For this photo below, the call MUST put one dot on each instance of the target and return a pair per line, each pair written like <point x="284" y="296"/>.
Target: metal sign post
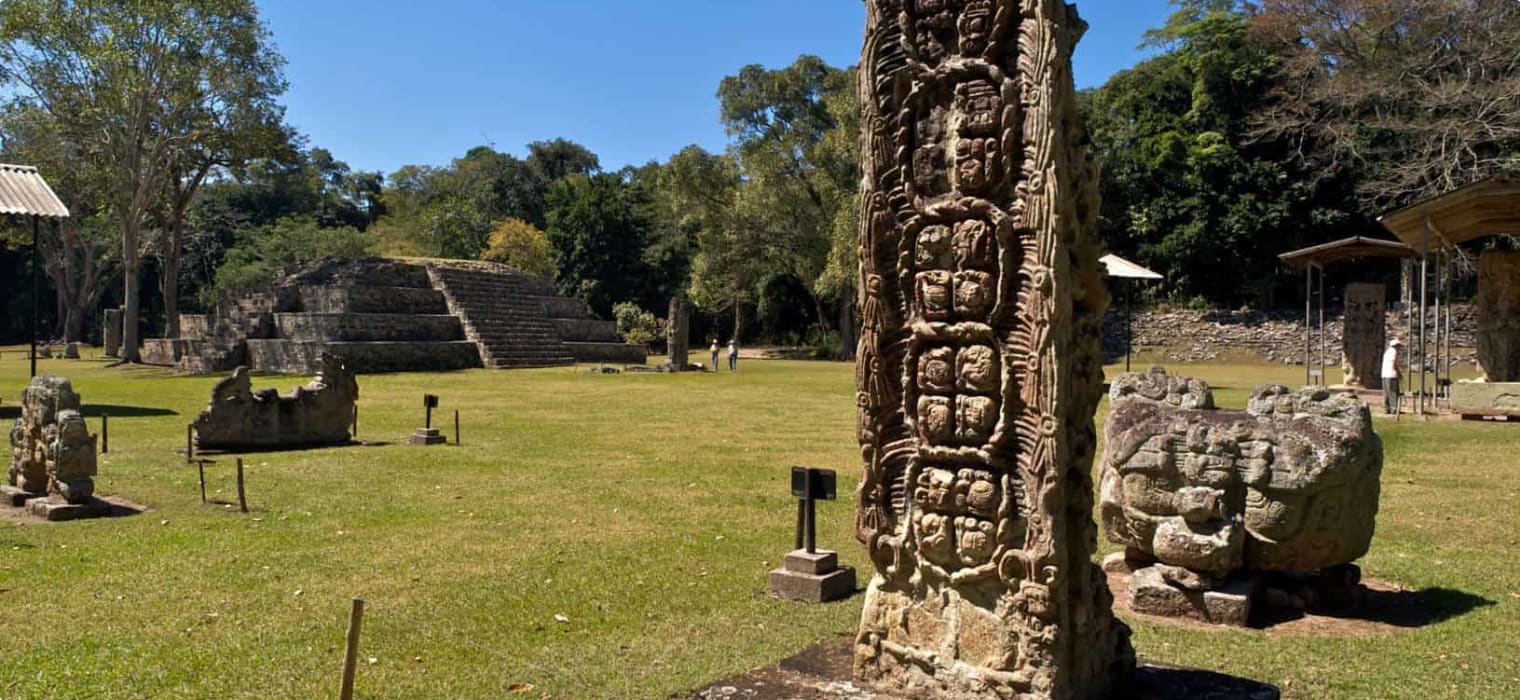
<point x="810" y="574"/>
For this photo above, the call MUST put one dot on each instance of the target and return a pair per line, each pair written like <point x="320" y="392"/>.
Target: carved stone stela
<point x="1365" y="334"/>
<point x="1499" y="315"/>
<point x="978" y="372"/>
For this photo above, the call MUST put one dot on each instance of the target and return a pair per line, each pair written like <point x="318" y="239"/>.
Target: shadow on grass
<point x="98" y="410"/>
<point x="256" y="450"/>
<point x="1408" y="609"/>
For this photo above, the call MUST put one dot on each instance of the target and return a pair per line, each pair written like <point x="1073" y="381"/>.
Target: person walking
<point x="714" y="349"/>
<point x="733" y="355"/>
<point x="1391" y="376"/>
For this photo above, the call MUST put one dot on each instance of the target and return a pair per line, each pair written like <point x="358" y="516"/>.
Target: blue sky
<point x="385" y="83"/>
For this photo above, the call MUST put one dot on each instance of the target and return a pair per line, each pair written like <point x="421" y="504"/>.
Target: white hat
<point x="1395" y="341"/>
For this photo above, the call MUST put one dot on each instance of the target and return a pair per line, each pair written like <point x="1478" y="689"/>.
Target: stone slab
<point x="428" y="436"/>
<point x="809" y="588"/>
<point x="817" y="563"/>
<point x="1229" y="604"/>
<point x="1486" y="399"/>
<point x="59" y="511"/>
<point x="16" y="498"/>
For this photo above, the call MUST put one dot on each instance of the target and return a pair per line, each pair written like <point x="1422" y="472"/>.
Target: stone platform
<point x="386" y="315"/>
<point x="812" y="577"/>
<point x="824" y="672"/>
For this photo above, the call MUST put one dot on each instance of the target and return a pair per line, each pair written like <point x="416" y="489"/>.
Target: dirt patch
<point x="119" y="508"/>
<point x="1385" y="608"/>
<point x="823" y="672"/>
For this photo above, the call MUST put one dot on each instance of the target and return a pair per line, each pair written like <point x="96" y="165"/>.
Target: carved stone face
<point x="975" y="246"/>
<point x="1215" y="491"/>
<point x="978" y="369"/>
<point x="936" y="371"/>
<point x="933" y="252"/>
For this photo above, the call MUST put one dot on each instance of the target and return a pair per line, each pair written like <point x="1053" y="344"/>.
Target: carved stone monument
<point x="1364" y="333"/>
<point x="319" y="413"/>
<point x="53" y="461"/>
<point x="978" y="372"/>
<point x="111" y="333"/>
<point x="678" y="335"/>
<point x="1208" y="502"/>
<point x="1499" y="315"/>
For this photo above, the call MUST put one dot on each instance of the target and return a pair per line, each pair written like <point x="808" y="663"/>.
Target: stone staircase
<point x="519" y="321"/>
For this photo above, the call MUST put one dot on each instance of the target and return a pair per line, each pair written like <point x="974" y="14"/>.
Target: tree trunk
<point x="73" y="326"/>
<point x="846" y="330"/>
<point x="738" y="319"/>
<point x="129" y="268"/>
<point x="168" y="283"/>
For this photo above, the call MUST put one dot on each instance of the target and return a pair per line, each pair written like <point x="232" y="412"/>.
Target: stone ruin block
<point x="1365" y="322"/>
<point x="1208" y="501"/>
<point x="53" y="458"/>
<point x="319" y="413"/>
<point x="1499" y="315"/>
<point x="111" y="332"/>
<point x="978" y="371"/>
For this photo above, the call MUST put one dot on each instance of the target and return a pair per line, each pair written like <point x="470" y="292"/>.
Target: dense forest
<point x="1257" y="127"/>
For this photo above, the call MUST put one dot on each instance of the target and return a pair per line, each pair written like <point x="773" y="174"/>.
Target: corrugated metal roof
<point x="1346" y="249"/>
<point x="23" y="191"/>
<point x="1124" y="269"/>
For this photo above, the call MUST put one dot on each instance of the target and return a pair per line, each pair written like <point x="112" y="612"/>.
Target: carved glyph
<point x="1499" y="315"/>
<point x="978" y="371"/>
<point x="1364" y="334"/>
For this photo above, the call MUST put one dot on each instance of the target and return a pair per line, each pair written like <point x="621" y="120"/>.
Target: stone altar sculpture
<point x="1364" y="334"/>
<point x="1499" y="315"/>
<point x="1209" y="501"/>
<point x="53" y="460"/>
<point x="319" y="413"/>
<point x="978" y="371"/>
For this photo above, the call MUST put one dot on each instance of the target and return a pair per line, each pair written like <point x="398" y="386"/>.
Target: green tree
<point x="521" y="246"/>
<point x="267" y="252"/>
<point x="1186" y="189"/>
<point x="133" y="84"/>
<point x="794" y="131"/>
<point x="81" y="253"/>
<point x="597" y="231"/>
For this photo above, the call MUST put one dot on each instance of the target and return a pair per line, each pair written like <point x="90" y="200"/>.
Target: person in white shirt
<point x="1391" y="376"/>
<point x="715" y="355"/>
<point x="733" y="355"/>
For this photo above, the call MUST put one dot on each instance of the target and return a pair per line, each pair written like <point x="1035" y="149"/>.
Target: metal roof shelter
<point x="1124" y="269"/>
<point x="1315" y="258"/>
<point x="1346" y="249"/>
<point x="1119" y="268"/>
<point x="23" y="192"/>
<point x="1434" y="228"/>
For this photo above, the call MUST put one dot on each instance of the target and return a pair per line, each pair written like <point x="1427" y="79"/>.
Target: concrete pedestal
<point x="428" y="436"/>
<point x="812" y="578"/>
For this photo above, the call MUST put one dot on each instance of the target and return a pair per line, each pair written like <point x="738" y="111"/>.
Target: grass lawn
<point x="645" y="510"/>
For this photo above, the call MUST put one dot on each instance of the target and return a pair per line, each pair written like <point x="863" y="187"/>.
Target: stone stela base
<point x="58" y="511"/>
<point x="52" y="509"/>
<point x="428" y="436"/>
<point x="14" y="497"/>
<point x="1238" y="600"/>
<point x="812" y="577"/>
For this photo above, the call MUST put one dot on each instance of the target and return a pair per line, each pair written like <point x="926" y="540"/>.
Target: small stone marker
<point x="809" y="574"/>
<point x="428" y="435"/>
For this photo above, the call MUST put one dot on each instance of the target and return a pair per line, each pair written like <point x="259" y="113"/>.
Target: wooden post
<point x="201" y="467"/>
<point x="105" y="433"/>
<point x="242" y="497"/>
<point x="457" y="443"/>
<point x="351" y="650"/>
<point x="356" y="420"/>
<point x="189" y="443"/>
